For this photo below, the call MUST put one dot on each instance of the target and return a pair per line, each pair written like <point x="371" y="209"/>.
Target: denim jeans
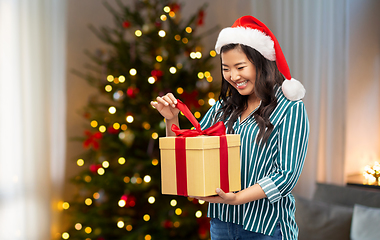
<point x="230" y="231"/>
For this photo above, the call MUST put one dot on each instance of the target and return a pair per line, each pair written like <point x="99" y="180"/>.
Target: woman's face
<point x="239" y="71"/>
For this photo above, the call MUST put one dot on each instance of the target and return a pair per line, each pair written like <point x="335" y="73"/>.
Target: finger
<point x="171" y="96"/>
<point x="162" y="101"/>
<point x="220" y="192"/>
<point x="169" y="100"/>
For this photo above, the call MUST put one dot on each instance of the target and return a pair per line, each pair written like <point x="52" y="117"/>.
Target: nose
<point x="235" y="75"/>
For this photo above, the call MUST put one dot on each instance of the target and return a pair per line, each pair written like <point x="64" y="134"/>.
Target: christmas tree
<point x="152" y="51"/>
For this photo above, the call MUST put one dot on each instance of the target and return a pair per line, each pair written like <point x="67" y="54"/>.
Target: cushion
<point x="365" y="223"/>
<point x="348" y="196"/>
<point x="318" y="220"/>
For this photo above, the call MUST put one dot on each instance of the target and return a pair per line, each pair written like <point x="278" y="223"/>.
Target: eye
<point x="240" y="68"/>
<point x="225" y="69"/>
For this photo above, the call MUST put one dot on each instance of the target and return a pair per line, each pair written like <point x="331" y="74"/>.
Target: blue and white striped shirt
<point x="276" y="167"/>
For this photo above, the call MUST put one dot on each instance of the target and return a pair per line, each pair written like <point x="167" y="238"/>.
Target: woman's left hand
<point x="228" y="198"/>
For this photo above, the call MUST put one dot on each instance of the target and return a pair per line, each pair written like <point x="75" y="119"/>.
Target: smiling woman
<point x="32" y="140"/>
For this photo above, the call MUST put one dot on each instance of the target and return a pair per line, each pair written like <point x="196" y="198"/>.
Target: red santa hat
<point x="249" y="31"/>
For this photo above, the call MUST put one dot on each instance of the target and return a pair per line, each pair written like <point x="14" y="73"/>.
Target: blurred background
<point x="50" y="105"/>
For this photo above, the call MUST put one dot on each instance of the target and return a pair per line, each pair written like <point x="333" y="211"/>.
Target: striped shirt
<point x="276" y="167"/>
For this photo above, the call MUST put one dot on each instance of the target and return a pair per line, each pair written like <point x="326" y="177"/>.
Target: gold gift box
<point x="202" y="164"/>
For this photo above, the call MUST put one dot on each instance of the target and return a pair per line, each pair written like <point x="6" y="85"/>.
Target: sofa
<point x="339" y="213"/>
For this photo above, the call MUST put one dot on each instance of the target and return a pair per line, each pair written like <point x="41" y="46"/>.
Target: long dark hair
<point x="267" y="76"/>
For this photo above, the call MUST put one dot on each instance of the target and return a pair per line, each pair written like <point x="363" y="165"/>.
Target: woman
<point x="257" y="103"/>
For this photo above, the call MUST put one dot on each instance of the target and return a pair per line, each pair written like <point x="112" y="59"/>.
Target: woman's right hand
<point x="166" y="105"/>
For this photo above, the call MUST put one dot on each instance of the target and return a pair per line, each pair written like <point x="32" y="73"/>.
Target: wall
<point x="363" y="88"/>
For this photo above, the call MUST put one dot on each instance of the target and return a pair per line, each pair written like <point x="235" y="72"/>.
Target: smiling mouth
<point x="241" y="84"/>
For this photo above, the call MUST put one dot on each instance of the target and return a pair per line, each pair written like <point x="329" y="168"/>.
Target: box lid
<point x="200" y="142"/>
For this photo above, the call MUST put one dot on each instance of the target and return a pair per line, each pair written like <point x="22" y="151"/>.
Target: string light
<point x="88" y="230"/>
<point x="192" y="55"/>
<point x="147" y="178"/>
<point x="167" y="9"/>
<point x="185" y="40"/>
<point x="176" y="224"/>
<point x="159" y="58"/>
<point x="102" y="129"/>
<point x="161" y="33"/>
<point x="198" y="55"/>
<point x="172" y="14"/>
<point x="94" y="123"/>
<point x="112" y="110"/>
<point x="124" y="127"/>
<point x="121" y="78"/>
<point x="201" y="102"/>
<point x="212" y="53"/>
<point x="172" y="70"/>
<point x="154" y="162"/>
<point x="80" y="162"/>
<point x="188" y="29"/>
<point x="173" y="202"/>
<point x="87" y="179"/>
<point x="209" y="79"/>
<point x="201" y="202"/>
<point x="211" y="102"/>
<point x="154" y="135"/>
<point x="138" y="33"/>
<point x="163" y="17"/>
<point x="211" y="94"/>
<point x="101" y="171"/>
<point x="121" y="160"/>
<point x="151" y="80"/>
<point x="96" y="195"/>
<point x="129" y="118"/>
<point x="110" y="78"/>
<point x="122" y="203"/>
<point x="108" y="88"/>
<point x="177" y="37"/>
<point x="139" y="180"/>
<point x="207" y="74"/>
<point x="201" y="75"/>
<point x="178" y="211"/>
<point x="129" y="228"/>
<point x="198" y="214"/>
<point x="197" y="114"/>
<point x="146" y="217"/>
<point x="151" y="199"/>
<point x="116" y="126"/>
<point x="132" y="72"/>
<point x="148" y="237"/>
<point x="105" y="164"/>
<point x="88" y="201"/>
<point x="116" y="81"/>
<point x="65" y="235"/>
<point x="146" y="125"/>
<point x="126" y="179"/>
<point x="120" y="224"/>
<point x="65" y="205"/>
<point x="78" y="226"/>
<point x="179" y="90"/>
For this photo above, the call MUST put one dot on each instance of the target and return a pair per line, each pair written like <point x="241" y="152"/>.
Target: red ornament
<point x="167" y="224"/>
<point x="94" y="167"/>
<point x="204" y="227"/>
<point x="126" y="24"/>
<point x="132" y="92"/>
<point x="174" y="7"/>
<point x="124" y="197"/>
<point x="158" y="24"/>
<point x="201" y="15"/>
<point x="190" y="99"/>
<point x="92" y="139"/>
<point x="112" y="130"/>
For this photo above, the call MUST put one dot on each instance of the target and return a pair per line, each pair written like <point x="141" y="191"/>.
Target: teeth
<point x="241" y="84"/>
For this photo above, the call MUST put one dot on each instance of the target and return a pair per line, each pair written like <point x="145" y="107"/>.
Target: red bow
<point x="217" y="129"/>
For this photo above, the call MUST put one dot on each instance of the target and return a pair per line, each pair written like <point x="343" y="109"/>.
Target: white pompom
<point x="293" y="89"/>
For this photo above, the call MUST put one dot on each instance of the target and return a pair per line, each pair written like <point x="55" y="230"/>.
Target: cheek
<point x="226" y="75"/>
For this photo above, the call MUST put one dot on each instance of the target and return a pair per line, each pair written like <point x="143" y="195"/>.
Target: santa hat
<point x="249" y="31"/>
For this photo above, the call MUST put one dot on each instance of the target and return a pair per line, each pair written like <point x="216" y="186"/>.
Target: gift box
<point x="196" y="162"/>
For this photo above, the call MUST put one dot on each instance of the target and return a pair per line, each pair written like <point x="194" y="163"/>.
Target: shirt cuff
<point x="270" y="189"/>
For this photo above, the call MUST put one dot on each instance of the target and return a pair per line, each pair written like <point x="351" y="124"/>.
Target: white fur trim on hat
<point x="293" y="89"/>
<point x="247" y="36"/>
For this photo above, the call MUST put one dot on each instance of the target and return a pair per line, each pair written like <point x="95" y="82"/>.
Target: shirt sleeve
<point x="293" y="135"/>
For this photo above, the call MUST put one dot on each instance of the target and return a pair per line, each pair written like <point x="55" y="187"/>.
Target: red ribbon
<point x="180" y="149"/>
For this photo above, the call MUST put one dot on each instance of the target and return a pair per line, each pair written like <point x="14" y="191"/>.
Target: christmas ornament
<point x="94" y="167"/>
<point x="126" y="24"/>
<point x="249" y="31"/>
<point x="200" y="20"/>
<point x="92" y="140"/>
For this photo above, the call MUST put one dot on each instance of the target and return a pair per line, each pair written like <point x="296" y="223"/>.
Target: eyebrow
<point x="235" y="64"/>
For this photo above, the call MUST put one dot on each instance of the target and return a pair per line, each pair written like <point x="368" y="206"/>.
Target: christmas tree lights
<point x="152" y="51"/>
